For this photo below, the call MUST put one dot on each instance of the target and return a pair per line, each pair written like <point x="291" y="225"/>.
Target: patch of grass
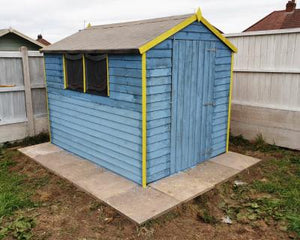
<point x="278" y="190"/>
<point x="13" y="193"/>
<point x="284" y="185"/>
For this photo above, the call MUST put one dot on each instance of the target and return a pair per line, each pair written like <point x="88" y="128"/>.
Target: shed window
<point x="96" y="74"/>
<point x="74" y="71"/>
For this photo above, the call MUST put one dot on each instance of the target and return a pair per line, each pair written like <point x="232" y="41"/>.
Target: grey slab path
<point x="130" y="199"/>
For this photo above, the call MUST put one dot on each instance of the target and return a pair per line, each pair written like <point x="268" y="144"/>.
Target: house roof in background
<point x="128" y="36"/>
<point x="42" y="40"/>
<point x="3" y="32"/>
<point x="289" y="18"/>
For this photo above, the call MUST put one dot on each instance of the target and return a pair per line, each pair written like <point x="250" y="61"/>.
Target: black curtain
<point x="96" y="74"/>
<point x="74" y="71"/>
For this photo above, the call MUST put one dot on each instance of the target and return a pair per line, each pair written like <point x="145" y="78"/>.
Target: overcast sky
<point x="57" y="19"/>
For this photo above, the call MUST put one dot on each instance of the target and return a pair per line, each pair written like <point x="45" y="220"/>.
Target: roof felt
<point x="277" y="20"/>
<point x="119" y="37"/>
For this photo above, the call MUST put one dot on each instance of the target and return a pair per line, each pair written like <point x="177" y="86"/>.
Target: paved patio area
<point x="130" y="199"/>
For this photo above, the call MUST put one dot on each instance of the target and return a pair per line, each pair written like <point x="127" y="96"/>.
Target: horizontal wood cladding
<point x="159" y="111"/>
<point x="105" y="130"/>
<point x="221" y="99"/>
<point x="108" y="130"/>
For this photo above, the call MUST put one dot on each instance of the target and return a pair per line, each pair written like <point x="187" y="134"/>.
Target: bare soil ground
<point x="61" y="211"/>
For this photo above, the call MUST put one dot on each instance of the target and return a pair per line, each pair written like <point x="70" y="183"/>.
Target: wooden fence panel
<point x="23" y="110"/>
<point x="266" y="86"/>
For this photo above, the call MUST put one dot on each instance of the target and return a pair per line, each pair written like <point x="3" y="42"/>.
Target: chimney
<point x="40" y="36"/>
<point x="290" y="6"/>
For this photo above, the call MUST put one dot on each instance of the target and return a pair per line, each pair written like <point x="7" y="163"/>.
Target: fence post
<point x="27" y="87"/>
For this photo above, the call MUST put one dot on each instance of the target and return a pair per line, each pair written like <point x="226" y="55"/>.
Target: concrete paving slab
<point x="182" y="186"/>
<point x="78" y="171"/>
<point x="210" y="172"/>
<point x="141" y="204"/>
<point x="55" y="161"/>
<point x="40" y="149"/>
<point x="235" y="160"/>
<point x="130" y="199"/>
<point x="105" y="185"/>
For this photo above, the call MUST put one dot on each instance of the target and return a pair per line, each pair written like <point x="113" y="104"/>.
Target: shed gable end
<point x="198" y="31"/>
<point x="159" y="104"/>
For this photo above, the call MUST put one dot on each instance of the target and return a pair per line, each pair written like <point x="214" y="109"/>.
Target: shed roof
<point x="3" y="32"/>
<point x="134" y="37"/>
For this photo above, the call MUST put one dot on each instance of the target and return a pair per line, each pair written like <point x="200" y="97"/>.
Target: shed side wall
<point x="159" y="104"/>
<point x="159" y="70"/>
<point x="105" y="130"/>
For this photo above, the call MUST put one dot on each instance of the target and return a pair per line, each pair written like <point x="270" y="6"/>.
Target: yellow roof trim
<point x="219" y="35"/>
<point x="197" y="16"/>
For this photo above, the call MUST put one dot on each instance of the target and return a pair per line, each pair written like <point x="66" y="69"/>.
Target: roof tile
<point x="277" y="20"/>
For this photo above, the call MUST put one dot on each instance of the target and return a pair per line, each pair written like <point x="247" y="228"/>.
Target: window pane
<point x="96" y="75"/>
<point x="74" y="71"/>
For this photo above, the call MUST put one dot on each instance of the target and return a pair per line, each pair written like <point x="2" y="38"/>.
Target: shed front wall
<point x="159" y="98"/>
<point x="105" y="130"/>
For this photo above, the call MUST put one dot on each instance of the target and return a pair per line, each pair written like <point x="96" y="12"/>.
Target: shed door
<point x="192" y="103"/>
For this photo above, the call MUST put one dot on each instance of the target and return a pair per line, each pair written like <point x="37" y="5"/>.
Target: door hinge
<point x="212" y="49"/>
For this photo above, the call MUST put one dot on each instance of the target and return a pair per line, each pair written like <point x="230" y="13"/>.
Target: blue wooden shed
<point x="144" y="99"/>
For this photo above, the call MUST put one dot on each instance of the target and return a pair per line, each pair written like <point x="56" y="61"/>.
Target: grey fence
<point x="23" y="108"/>
<point x="266" y="86"/>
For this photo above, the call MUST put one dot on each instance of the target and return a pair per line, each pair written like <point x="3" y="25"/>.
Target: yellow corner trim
<point x="199" y="14"/>
<point x="144" y="122"/>
<point x="48" y="112"/>
<point x="107" y="75"/>
<point x="84" y="75"/>
<point x="229" y="103"/>
<point x="167" y="34"/>
<point x="219" y="35"/>
<point x="65" y="75"/>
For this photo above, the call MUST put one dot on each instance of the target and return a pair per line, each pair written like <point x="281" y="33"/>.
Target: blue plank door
<point x="192" y="103"/>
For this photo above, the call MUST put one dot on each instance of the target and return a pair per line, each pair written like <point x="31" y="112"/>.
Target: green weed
<point x="20" y="228"/>
<point x="205" y="217"/>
